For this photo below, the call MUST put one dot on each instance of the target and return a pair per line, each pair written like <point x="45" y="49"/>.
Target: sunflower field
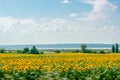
<point x="62" y="66"/>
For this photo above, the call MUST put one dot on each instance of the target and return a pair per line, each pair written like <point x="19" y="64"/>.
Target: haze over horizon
<point x="59" y="21"/>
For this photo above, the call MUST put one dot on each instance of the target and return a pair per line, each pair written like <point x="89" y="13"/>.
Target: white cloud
<point x="88" y="1"/>
<point x="65" y="1"/>
<point x="100" y="24"/>
<point x="107" y="28"/>
<point x="30" y="25"/>
<point x="73" y="15"/>
<point x="101" y="10"/>
<point x="6" y="23"/>
<point x="30" y="31"/>
<point x="28" y="21"/>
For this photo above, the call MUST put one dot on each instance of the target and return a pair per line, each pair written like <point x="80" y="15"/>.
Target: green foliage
<point x="89" y="51"/>
<point x="57" y="51"/>
<point x="26" y="50"/>
<point x="83" y="48"/>
<point x="117" y="48"/>
<point x="19" y="51"/>
<point x="113" y="49"/>
<point x="1" y="73"/>
<point x="23" y="75"/>
<point x="90" y="74"/>
<point x="76" y="51"/>
<point x="2" y="50"/>
<point x="102" y="52"/>
<point x="9" y="51"/>
<point x="34" y="50"/>
<point x="41" y="52"/>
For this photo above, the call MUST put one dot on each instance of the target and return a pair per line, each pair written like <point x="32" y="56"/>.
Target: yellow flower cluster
<point x="57" y="62"/>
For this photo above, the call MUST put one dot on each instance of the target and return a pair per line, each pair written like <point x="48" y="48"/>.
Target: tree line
<point x="83" y="49"/>
<point x="33" y="50"/>
<point x="114" y="49"/>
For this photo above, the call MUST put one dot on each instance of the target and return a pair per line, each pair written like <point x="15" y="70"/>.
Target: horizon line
<point x="55" y="43"/>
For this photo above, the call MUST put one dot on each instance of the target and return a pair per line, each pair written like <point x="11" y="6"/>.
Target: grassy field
<point x="62" y="66"/>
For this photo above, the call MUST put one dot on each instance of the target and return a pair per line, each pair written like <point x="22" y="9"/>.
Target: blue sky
<point x="40" y="8"/>
<point x="59" y="21"/>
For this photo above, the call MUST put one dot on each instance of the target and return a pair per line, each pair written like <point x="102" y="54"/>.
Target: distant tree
<point x="41" y="52"/>
<point x="113" y="49"/>
<point x="102" y="52"/>
<point x="57" y="51"/>
<point x="2" y="50"/>
<point x="76" y="51"/>
<point x="117" y="48"/>
<point x="19" y="51"/>
<point x="88" y="51"/>
<point x="26" y="50"/>
<point x="34" y="50"/>
<point x="83" y="47"/>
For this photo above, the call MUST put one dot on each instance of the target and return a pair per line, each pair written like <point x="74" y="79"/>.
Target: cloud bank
<point x="100" y="23"/>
